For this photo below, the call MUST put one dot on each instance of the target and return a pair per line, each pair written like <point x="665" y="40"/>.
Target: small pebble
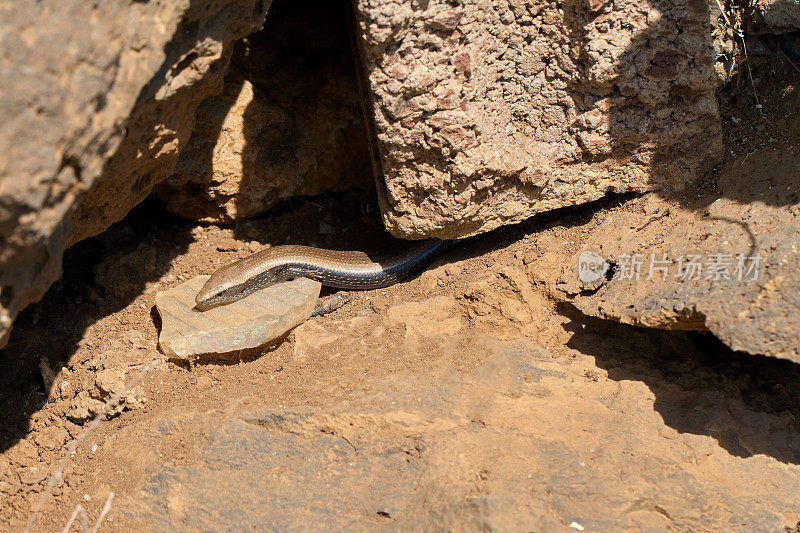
<point x="204" y="382"/>
<point x="331" y="303"/>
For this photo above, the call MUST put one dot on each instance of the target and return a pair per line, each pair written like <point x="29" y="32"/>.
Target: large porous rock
<point x="97" y="98"/>
<point x="728" y="263"/>
<point x="289" y="121"/>
<point x="488" y="111"/>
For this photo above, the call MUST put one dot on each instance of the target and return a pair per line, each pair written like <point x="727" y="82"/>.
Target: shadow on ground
<point x="131" y="253"/>
<point x="748" y="404"/>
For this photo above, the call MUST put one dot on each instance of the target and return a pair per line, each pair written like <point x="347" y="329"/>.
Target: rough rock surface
<point x="488" y="111"/>
<point x="93" y="118"/>
<point x="730" y="265"/>
<point x="419" y="466"/>
<point x="288" y="122"/>
<point x="775" y="15"/>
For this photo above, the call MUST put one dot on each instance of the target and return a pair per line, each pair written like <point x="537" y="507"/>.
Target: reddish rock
<point x="596" y="96"/>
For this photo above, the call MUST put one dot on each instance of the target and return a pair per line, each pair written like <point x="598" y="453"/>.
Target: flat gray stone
<point x="249" y="323"/>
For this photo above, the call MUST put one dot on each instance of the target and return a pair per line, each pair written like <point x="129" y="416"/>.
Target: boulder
<point x="94" y="115"/>
<point x="489" y="111"/>
<point x="729" y="264"/>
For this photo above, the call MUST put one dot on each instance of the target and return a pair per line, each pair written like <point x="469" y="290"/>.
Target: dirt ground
<point x="462" y="399"/>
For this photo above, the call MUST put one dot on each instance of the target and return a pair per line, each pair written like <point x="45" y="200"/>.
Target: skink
<point x="340" y="269"/>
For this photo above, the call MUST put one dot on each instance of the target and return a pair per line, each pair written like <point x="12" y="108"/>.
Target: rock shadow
<point x="747" y="403"/>
<point x="289" y="125"/>
<point x="304" y="129"/>
<point x="52" y="328"/>
<point x="101" y="276"/>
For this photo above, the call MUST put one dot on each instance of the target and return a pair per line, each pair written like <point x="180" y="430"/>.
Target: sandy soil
<point x="464" y="398"/>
